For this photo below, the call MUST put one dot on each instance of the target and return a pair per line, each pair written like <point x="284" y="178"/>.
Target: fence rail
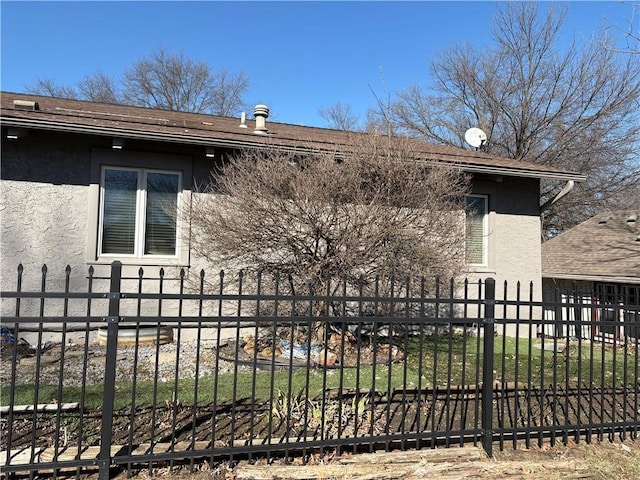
<point x="132" y="371"/>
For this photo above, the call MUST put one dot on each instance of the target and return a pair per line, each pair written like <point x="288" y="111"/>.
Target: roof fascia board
<point x="518" y="172"/>
<point x="593" y="278"/>
<point x="185" y="138"/>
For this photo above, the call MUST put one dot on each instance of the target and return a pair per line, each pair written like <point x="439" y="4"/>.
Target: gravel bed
<point x="144" y="363"/>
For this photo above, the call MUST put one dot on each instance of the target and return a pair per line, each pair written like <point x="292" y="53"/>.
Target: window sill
<point x="481" y="269"/>
<point x="141" y="262"/>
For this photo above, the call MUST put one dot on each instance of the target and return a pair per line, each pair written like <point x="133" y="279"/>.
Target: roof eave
<point x="594" y="278"/>
<point x="212" y="141"/>
<point x="120" y="132"/>
<point x="515" y="172"/>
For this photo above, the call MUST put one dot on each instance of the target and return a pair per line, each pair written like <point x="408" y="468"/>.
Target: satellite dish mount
<point x="475" y="137"/>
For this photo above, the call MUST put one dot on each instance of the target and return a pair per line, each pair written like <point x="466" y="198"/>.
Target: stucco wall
<point x="43" y="206"/>
<point x="514" y="231"/>
<point x="45" y="218"/>
<point x="45" y="213"/>
<point x="514" y="238"/>
<point x="41" y="223"/>
<point x="46" y="204"/>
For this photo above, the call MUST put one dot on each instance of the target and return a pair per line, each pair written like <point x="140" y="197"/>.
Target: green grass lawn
<point x="441" y="361"/>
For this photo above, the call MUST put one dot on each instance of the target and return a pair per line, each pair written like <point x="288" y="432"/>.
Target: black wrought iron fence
<point x="137" y="370"/>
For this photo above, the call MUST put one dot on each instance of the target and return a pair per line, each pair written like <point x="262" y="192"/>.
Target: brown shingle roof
<point x="605" y="247"/>
<point x="198" y="129"/>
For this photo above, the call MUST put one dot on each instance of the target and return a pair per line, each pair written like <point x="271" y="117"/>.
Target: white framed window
<point x="476" y="229"/>
<point x="139" y="212"/>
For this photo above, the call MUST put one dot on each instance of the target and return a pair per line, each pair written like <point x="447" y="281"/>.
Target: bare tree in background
<point x="50" y="88"/>
<point x="99" y="87"/>
<point x="161" y="80"/>
<point x="573" y="107"/>
<point x="630" y="31"/>
<point x="378" y="120"/>
<point x="372" y="210"/>
<point x="227" y="92"/>
<point x="340" y="117"/>
<point x="174" y="82"/>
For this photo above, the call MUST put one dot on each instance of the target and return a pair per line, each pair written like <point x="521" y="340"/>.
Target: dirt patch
<point x="601" y="460"/>
<point x="605" y="460"/>
<point x="170" y="423"/>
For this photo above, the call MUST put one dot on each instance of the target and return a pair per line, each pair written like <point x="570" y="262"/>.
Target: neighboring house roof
<point x="198" y="129"/>
<point x="604" y="248"/>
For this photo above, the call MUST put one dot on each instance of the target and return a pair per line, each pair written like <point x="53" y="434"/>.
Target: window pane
<point x="632" y="324"/>
<point x="474" y="230"/>
<point x="631" y="312"/>
<point x="609" y="319"/>
<point x="119" y="214"/>
<point x="162" y="213"/>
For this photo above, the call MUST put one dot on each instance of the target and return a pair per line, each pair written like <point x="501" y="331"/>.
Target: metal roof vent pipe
<point x="243" y="120"/>
<point x="261" y="112"/>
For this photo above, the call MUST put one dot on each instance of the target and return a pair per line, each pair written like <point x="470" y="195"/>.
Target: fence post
<point x="487" y="368"/>
<point x="106" y="436"/>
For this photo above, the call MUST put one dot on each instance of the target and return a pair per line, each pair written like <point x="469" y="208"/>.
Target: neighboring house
<point x="597" y="264"/>
<point x="73" y="171"/>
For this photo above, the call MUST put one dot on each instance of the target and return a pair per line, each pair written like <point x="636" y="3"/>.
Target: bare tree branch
<point x="49" y="87"/>
<point x="630" y="31"/>
<point x="161" y="80"/>
<point x="371" y="211"/>
<point x="99" y="87"/>
<point x="340" y="117"/>
<point x="574" y="108"/>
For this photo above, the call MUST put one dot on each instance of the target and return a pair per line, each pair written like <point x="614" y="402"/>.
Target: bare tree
<point x="630" y="31"/>
<point x="99" y="87"/>
<point x="378" y="119"/>
<point x="340" y="117"/>
<point x="50" y="88"/>
<point x="228" y="89"/>
<point x="574" y="107"/>
<point x="370" y="210"/>
<point x="173" y="82"/>
<point x="161" y="80"/>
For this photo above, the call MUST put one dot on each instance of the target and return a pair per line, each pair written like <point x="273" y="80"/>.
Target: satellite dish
<point x="475" y="137"/>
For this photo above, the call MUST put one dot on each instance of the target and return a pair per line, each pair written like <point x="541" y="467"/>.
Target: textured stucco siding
<point x="47" y="205"/>
<point x="517" y="245"/>
<point x="48" y="202"/>
<point x="518" y="236"/>
<point x="514" y="239"/>
<point x="43" y="207"/>
<point x="43" y="218"/>
<point x="41" y="223"/>
<point x="514" y="231"/>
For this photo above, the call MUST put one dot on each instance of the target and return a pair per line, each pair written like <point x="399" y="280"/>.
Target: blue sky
<point x="299" y="56"/>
